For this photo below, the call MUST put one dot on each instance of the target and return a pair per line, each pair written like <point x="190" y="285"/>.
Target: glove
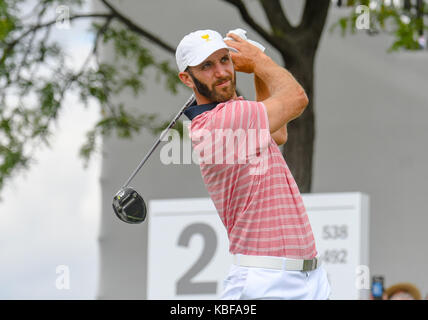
<point x="242" y="33"/>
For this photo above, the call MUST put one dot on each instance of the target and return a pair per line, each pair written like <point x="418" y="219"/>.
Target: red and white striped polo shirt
<point x="250" y="183"/>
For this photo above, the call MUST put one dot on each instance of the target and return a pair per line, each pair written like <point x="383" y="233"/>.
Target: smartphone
<point x="377" y="287"/>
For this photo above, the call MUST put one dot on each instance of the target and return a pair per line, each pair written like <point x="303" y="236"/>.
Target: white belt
<point x="278" y="263"/>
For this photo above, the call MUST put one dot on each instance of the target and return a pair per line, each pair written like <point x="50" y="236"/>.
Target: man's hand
<point x="245" y="60"/>
<point x="280" y="136"/>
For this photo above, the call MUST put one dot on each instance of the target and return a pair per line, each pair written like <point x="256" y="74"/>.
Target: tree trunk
<point x="298" y="151"/>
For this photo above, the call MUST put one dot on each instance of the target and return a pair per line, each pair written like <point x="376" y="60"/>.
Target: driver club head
<point x="129" y="206"/>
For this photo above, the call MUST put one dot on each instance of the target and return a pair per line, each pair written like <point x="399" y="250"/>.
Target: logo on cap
<point x="206" y="37"/>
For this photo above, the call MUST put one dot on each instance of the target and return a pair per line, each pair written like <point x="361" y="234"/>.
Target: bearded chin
<point x="222" y="95"/>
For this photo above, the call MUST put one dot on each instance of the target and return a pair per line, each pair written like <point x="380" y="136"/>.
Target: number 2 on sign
<point x="185" y="285"/>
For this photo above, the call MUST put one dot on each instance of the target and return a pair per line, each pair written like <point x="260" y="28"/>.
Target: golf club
<point x="128" y="204"/>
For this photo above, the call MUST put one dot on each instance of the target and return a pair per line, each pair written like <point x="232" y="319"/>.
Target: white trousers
<point x="248" y="283"/>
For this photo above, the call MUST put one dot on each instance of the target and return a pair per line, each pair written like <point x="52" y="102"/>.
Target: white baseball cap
<point x="197" y="46"/>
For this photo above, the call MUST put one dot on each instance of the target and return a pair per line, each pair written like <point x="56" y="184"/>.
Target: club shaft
<point x="163" y="134"/>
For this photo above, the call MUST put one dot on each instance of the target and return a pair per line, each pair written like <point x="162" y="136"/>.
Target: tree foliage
<point x="35" y="77"/>
<point x="403" y="19"/>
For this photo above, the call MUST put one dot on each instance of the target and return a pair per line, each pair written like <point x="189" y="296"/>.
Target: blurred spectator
<point x="402" y="291"/>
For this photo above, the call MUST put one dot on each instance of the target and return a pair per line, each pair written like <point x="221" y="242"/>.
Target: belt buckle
<point x="309" y="265"/>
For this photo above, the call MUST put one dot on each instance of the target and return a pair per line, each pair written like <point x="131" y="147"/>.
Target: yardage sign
<point x="340" y="223"/>
<point x="188" y="248"/>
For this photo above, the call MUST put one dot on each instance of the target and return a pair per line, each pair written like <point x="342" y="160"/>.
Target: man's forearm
<point x="286" y="97"/>
<point x="275" y="80"/>
<point x="262" y="93"/>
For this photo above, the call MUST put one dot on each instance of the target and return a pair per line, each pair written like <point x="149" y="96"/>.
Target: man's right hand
<point x="245" y="60"/>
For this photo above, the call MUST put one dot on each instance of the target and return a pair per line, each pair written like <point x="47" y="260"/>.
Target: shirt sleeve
<point x="242" y="114"/>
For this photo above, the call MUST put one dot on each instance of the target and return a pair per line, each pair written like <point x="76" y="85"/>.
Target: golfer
<point x="245" y="174"/>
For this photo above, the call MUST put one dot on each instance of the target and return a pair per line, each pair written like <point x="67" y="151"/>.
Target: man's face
<point x="215" y="77"/>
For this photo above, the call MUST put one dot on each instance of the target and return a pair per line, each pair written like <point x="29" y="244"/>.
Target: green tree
<point x="34" y="76"/>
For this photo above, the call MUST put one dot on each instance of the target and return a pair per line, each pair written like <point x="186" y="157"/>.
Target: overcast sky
<point x="49" y="215"/>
